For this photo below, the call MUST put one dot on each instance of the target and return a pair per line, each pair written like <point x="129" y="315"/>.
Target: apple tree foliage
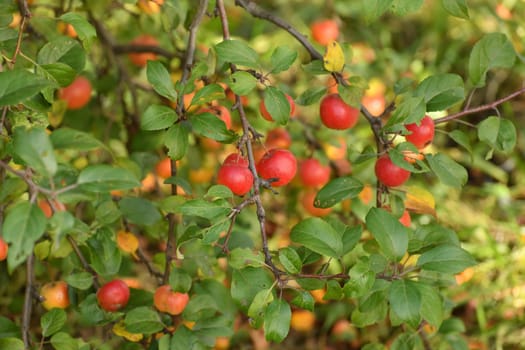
<point x="253" y="259"/>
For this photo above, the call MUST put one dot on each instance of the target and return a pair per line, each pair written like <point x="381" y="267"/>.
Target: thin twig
<point x="171" y="244"/>
<point x="190" y="53"/>
<point x="246" y="127"/>
<point x="482" y="108"/>
<point x="256" y="11"/>
<point x="28" y="302"/>
<point x="83" y="261"/>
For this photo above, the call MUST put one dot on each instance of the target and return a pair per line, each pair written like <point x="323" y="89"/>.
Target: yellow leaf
<point x="120" y="330"/>
<point x="127" y="241"/>
<point x="418" y="200"/>
<point x="334" y="57"/>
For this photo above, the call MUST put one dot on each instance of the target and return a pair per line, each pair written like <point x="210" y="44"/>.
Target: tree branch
<point x="246" y="127"/>
<point x="28" y="302"/>
<point x="190" y="53"/>
<point x="258" y="12"/>
<point x="483" y="108"/>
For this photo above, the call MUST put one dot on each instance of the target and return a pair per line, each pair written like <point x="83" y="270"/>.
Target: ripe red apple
<point x="390" y="174"/>
<point x="113" y="295"/>
<point x="3" y="249"/>
<point x="324" y="31"/>
<point x="336" y="114"/>
<point x="278" y="138"/>
<point x="168" y="301"/>
<point x="77" y="94"/>
<point x="405" y="219"/>
<point x="140" y="59"/>
<point x="278" y="164"/>
<point x="266" y="115"/>
<point x="235" y="175"/>
<point x="313" y="173"/>
<point x="237" y="178"/>
<point x="48" y="211"/>
<point x="421" y="135"/>
<point x="235" y="159"/>
<point x="55" y="295"/>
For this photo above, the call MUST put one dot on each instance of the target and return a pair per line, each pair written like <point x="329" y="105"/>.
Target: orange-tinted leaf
<point x="418" y="200"/>
<point x="127" y="241"/>
<point x="120" y="330"/>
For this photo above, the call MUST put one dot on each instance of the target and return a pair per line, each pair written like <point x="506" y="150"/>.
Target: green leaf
<point x="407" y="341"/>
<point x="60" y="72"/>
<point x="351" y="94"/>
<point x="441" y="91"/>
<point x="282" y="58"/>
<point x="107" y="212"/>
<point x="247" y="282"/>
<point x="461" y="139"/>
<point x="242" y="83"/>
<point x="204" y="209"/>
<point x="67" y="138"/>
<point x="209" y="125"/>
<point x="456" y="8"/>
<point x="139" y="211"/>
<point x="183" y="339"/>
<point x="104" y="178"/>
<point x="52" y="321"/>
<point x="389" y="233"/>
<point x="34" y="147"/>
<point x="143" y="320"/>
<point x="212" y="233"/>
<point x="447" y="170"/>
<point x="427" y="237"/>
<point x="105" y="255"/>
<point x="179" y="280"/>
<point x="207" y="94"/>
<point x="498" y="133"/>
<point x="446" y="259"/>
<point x="64" y="50"/>
<point x="160" y="79"/>
<point x="218" y="191"/>
<point x="410" y="110"/>
<point x="405" y="301"/>
<point x="63" y="341"/>
<point x="243" y="257"/>
<point x="311" y="96"/>
<point x="403" y="7"/>
<point x="304" y="300"/>
<point x="318" y="236"/>
<point x="24" y="224"/>
<point x="277" y="320"/>
<point x="176" y="141"/>
<point x="431" y="304"/>
<point x="361" y="280"/>
<point x="80" y="280"/>
<point x="18" y="85"/>
<point x="8" y="329"/>
<point x="492" y="51"/>
<point x="85" y="31"/>
<point x="277" y="105"/>
<point x="290" y="260"/>
<point x="258" y="306"/>
<point x="337" y="190"/>
<point x="237" y="52"/>
<point x="200" y="306"/>
<point x="12" y="344"/>
<point x="351" y="237"/>
<point x="373" y="9"/>
<point x="157" y="117"/>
